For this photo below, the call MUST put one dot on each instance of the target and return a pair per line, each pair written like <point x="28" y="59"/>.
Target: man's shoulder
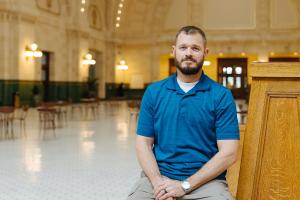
<point x="215" y="86"/>
<point x="217" y="90"/>
<point x="158" y="85"/>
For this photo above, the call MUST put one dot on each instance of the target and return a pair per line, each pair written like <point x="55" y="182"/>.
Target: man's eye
<point x="196" y="49"/>
<point x="182" y="48"/>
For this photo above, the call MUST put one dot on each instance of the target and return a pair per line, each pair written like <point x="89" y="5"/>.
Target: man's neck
<point x="189" y="78"/>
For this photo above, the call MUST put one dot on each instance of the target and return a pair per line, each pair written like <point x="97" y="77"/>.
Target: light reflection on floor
<point x="87" y="160"/>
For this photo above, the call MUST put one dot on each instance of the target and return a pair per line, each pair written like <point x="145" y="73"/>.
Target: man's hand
<point x="168" y="190"/>
<point x="157" y="185"/>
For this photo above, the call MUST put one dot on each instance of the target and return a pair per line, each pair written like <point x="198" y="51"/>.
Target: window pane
<point x="224" y="70"/>
<point x="229" y="70"/>
<point x="224" y="81"/>
<point x="238" y="82"/>
<point x="238" y="70"/>
<point x="230" y="82"/>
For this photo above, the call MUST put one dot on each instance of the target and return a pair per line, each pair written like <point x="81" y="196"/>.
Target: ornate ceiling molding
<point x="51" y="6"/>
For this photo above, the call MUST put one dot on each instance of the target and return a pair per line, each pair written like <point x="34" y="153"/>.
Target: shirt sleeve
<point x="227" y="126"/>
<point x="146" y="116"/>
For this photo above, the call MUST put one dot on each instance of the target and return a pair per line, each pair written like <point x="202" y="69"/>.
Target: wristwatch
<point x="186" y="186"/>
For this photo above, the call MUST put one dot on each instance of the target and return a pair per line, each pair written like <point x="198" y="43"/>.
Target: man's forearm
<point x="148" y="163"/>
<point x="214" y="167"/>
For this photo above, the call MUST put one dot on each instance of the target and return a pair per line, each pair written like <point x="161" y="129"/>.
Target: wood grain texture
<point x="233" y="172"/>
<point x="270" y="162"/>
<point x="275" y="70"/>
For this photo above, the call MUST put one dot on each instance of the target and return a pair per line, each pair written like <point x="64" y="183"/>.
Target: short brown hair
<point x="191" y="30"/>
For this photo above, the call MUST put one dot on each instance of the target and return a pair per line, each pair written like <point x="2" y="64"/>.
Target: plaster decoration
<point x="109" y="10"/>
<point x="51" y="6"/>
<point x="234" y="14"/>
<point x="297" y="4"/>
<point x="144" y="20"/>
<point x="159" y="15"/>
<point x="283" y="15"/>
<point x="94" y="17"/>
<point x="67" y="6"/>
<point x="28" y="18"/>
<point x="196" y="12"/>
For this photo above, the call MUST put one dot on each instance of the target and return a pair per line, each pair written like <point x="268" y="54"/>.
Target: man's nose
<point x="188" y="52"/>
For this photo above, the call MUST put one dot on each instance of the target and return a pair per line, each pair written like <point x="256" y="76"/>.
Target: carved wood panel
<point x="279" y="143"/>
<point x="270" y="166"/>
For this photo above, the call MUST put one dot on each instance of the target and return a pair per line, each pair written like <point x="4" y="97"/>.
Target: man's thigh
<point x="142" y="190"/>
<point x="213" y="190"/>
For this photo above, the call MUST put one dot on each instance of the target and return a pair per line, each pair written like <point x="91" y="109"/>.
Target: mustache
<point x="188" y="59"/>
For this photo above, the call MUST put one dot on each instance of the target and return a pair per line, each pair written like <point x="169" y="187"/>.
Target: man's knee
<point x="142" y="190"/>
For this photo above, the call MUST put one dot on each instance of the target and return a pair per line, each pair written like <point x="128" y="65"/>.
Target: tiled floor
<point x="87" y="160"/>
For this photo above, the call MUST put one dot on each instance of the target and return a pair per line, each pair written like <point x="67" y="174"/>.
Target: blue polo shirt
<point x="186" y="126"/>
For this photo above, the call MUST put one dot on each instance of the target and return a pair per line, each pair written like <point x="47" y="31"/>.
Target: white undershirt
<point x="186" y="86"/>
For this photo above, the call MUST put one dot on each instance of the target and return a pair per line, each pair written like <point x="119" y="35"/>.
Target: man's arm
<point x="149" y="165"/>
<point x="227" y="155"/>
<point x="146" y="158"/>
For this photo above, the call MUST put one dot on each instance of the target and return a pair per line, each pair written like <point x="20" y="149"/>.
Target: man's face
<point x="189" y="53"/>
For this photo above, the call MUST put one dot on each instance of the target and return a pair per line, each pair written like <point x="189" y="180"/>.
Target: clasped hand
<point x="167" y="189"/>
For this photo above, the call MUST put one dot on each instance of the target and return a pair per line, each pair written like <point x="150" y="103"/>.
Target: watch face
<point x="186" y="185"/>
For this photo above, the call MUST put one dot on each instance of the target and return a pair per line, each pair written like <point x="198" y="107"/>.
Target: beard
<point x="189" y="70"/>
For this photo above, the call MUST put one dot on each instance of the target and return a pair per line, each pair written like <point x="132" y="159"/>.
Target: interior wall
<point x="138" y="59"/>
<point x="50" y="28"/>
<point x="220" y="15"/>
<point x="254" y="29"/>
<point x="284" y="14"/>
<point x="146" y="46"/>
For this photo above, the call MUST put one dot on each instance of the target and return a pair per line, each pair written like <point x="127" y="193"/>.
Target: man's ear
<point x="173" y="50"/>
<point x="206" y="51"/>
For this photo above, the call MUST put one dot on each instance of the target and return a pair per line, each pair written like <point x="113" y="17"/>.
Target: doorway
<point x="45" y="61"/>
<point x="95" y="75"/>
<point x="232" y="73"/>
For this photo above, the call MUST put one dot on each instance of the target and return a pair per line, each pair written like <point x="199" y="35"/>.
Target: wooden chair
<point x="47" y="119"/>
<point x="7" y="119"/>
<point x="21" y="117"/>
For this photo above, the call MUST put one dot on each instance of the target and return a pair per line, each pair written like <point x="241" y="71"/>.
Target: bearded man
<point x="188" y="132"/>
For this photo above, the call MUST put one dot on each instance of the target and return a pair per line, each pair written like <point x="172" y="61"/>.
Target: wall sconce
<point x="32" y="51"/>
<point x="122" y="65"/>
<point x="206" y="63"/>
<point x="88" y="60"/>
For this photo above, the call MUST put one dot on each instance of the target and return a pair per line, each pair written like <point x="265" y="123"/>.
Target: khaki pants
<point x="213" y="190"/>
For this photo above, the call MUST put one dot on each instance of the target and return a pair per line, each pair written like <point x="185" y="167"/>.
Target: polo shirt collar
<point x="202" y="85"/>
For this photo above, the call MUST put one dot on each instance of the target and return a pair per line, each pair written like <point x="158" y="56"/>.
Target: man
<point x="187" y="133"/>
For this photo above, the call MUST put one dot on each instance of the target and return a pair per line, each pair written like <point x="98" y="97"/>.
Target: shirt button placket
<point x="182" y="107"/>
